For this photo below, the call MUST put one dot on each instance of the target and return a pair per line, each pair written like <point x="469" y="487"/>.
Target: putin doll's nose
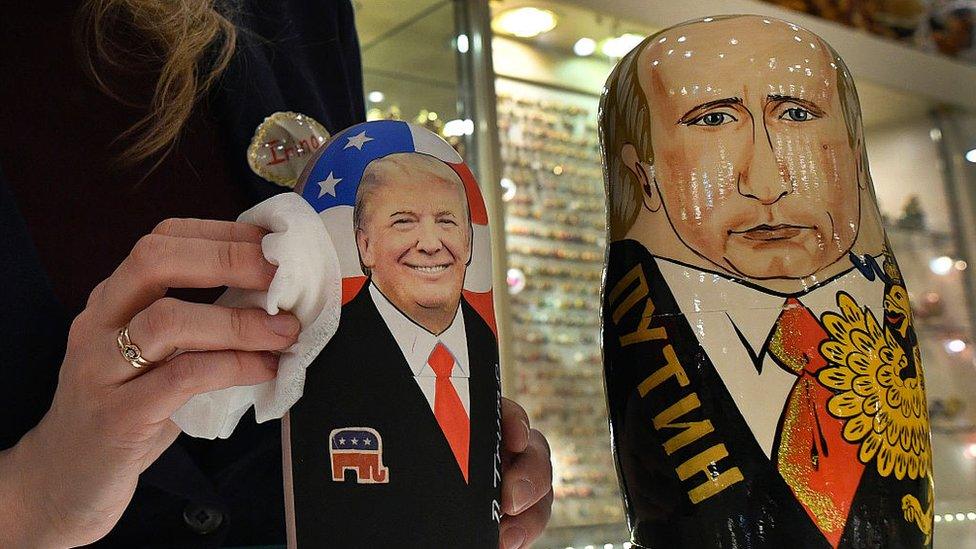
<point x="764" y="179"/>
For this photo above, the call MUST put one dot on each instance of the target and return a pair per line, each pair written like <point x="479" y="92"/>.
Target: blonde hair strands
<point x="188" y="43"/>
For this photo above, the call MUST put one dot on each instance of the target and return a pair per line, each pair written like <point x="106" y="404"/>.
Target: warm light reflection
<point x="955" y="345"/>
<point x="941" y="265"/>
<point x="621" y="45"/>
<point x="509" y="189"/>
<point x="524" y="22"/>
<point x="970" y="451"/>
<point x="516" y="280"/>
<point x="458" y="127"/>
<point x="584" y="47"/>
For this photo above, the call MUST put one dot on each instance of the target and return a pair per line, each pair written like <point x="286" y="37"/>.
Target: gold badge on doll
<point x="282" y="145"/>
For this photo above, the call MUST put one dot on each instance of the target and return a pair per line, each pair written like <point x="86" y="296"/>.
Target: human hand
<point x="526" y="479"/>
<point x="76" y="471"/>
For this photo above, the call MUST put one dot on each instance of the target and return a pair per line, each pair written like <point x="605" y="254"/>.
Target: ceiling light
<point x="584" y="47"/>
<point x="970" y="451"/>
<point x="971" y="156"/>
<point x="621" y="45"/>
<point x="462" y="43"/>
<point x="376" y="97"/>
<point x="941" y="265"/>
<point x="524" y="22"/>
<point x="458" y="127"/>
<point x="955" y="345"/>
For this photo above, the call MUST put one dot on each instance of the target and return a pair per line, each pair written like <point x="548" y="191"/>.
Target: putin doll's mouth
<point x="771" y="233"/>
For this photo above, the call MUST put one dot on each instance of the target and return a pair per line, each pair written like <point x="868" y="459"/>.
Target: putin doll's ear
<point x="644" y="172"/>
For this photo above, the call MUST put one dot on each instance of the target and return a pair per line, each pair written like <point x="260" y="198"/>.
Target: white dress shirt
<point x="416" y="344"/>
<point x="716" y="306"/>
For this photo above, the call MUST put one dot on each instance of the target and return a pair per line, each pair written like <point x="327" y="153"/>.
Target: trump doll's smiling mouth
<point x="430" y="269"/>
<point x="771" y="233"/>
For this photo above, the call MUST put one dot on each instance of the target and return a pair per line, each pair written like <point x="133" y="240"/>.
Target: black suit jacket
<point x="757" y="511"/>
<point x="361" y="379"/>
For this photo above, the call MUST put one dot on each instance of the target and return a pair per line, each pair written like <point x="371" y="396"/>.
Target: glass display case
<point x="410" y="61"/>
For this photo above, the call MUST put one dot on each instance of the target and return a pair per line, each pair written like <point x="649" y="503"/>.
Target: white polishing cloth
<point x="307" y="284"/>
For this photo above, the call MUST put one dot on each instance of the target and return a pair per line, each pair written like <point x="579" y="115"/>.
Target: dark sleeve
<point x="33" y="327"/>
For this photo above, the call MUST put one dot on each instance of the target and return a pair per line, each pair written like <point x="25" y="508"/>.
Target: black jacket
<point x="361" y="379"/>
<point x="757" y="507"/>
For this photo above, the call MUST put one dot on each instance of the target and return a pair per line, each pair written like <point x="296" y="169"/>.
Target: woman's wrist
<point x="11" y="501"/>
<point x="26" y="520"/>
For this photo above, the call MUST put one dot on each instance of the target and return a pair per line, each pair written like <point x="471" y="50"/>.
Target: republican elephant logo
<point x="359" y="450"/>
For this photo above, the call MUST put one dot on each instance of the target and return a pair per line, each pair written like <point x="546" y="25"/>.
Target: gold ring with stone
<point x="130" y="351"/>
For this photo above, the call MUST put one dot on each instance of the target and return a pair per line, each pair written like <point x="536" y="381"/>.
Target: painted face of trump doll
<point x="763" y="377"/>
<point x="413" y="231"/>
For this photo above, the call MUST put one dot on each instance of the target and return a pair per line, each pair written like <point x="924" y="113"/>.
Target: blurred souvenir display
<point x="889" y="18"/>
<point x="912" y="216"/>
<point x="555" y="226"/>
<point x="950" y="29"/>
<point x="945" y="26"/>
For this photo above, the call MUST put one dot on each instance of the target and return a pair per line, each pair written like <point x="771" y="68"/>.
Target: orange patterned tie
<point x="448" y="409"/>
<point x="820" y="467"/>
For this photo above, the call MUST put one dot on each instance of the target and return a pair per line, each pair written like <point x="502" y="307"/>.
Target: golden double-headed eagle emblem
<point x="875" y="372"/>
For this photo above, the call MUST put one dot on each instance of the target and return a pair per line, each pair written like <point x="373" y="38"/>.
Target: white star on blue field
<point x="337" y="171"/>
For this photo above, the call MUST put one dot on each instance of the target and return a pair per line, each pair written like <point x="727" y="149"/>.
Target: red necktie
<point x="448" y="409"/>
<point x="821" y="468"/>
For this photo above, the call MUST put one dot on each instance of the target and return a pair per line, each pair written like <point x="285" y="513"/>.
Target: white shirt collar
<point x="416" y="343"/>
<point x="752" y="310"/>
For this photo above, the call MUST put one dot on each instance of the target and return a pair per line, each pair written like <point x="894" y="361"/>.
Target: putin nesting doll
<point x="763" y="376"/>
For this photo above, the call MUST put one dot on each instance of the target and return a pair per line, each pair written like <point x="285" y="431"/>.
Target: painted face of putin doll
<point x="763" y="375"/>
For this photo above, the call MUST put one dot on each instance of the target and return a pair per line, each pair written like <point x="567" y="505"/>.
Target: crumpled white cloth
<point x="307" y="284"/>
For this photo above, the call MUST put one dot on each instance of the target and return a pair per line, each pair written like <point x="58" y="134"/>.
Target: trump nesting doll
<point x="395" y="442"/>
<point x="763" y="376"/>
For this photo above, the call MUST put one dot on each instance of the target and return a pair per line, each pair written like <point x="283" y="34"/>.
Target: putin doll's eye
<point x="713" y="119"/>
<point x="797" y="114"/>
